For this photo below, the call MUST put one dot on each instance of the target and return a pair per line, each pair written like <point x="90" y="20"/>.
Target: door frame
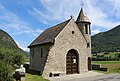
<point x="77" y="61"/>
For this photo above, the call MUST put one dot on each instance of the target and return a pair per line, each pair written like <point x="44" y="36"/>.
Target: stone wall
<point x="65" y="41"/>
<point x="37" y="62"/>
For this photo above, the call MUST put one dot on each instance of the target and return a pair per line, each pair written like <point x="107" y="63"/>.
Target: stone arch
<point x="72" y="62"/>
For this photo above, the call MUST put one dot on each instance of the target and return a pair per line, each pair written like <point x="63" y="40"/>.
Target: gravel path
<point x="90" y="76"/>
<point x="75" y="77"/>
<point x="107" y="77"/>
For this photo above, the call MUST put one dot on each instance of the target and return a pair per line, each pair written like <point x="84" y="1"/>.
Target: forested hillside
<point x="108" y="41"/>
<point x="6" y="40"/>
<point x="11" y="56"/>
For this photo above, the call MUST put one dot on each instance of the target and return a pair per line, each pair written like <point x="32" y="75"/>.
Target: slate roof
<point x="82" y="17"/>
<point x="49" y="34"/>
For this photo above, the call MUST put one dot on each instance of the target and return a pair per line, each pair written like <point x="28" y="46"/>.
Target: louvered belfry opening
<point x="72" y="62"/>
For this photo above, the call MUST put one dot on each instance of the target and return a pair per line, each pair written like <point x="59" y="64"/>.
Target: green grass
<point x="113" y="66"/>
<point x="106" y="62"/>
<point x="30" y="77"/>
<point x="110" y="56"/>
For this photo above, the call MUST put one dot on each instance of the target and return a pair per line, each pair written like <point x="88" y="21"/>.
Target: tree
<point x="9" y="58"/>
<point x="6" y="71"/>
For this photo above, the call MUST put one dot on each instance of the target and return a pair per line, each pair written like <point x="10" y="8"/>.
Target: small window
<point x="88" y="45"/>
<point x="73" y="32"/>
<point x="32" y="53"/>
<point x="41" y="52"/>
<point x="86" y="28"/>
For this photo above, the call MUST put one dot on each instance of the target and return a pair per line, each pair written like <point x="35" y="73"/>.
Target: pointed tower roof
<point x="82" y="17"/>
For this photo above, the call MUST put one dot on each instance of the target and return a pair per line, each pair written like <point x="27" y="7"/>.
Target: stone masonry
<point x="49" y="54"/>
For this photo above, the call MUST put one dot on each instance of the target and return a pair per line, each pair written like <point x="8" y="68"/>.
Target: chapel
<point x="63" y="49"/>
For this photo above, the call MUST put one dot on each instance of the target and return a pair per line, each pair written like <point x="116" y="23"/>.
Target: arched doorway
<point x="72" y="62"/>
<point x="89" y="64"/>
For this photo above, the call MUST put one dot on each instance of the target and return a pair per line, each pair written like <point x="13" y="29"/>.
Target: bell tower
<point x="84" y="25"/>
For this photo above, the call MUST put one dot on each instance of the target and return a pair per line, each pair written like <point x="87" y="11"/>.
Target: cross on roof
<point x="71" y="16"/>
<point x="82" y="5"/>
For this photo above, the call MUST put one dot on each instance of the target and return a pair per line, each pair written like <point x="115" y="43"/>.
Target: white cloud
<point x="95" y="31"/>
<point x="23" y="47"/>
<point x="56" y="10"/>
<point x="96" y="10"/>
<point x="116" y="7"/>
<point x="98" y="17"/>
<point x="17" y="28"/>
<point x="40" y="16"/>
<point x="15" y="24"/>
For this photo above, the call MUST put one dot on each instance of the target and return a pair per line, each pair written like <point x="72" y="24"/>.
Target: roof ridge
<point x="58" y="24"/>
<point x="48" y="35"/>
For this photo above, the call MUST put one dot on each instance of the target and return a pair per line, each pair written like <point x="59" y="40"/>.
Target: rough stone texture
<point x="54" y="55"/>
<point x="37" y="62"/>
<point x="64" y="42"/>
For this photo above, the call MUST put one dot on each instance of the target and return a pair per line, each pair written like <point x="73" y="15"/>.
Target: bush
<point x="8" y="59"/>
<point x="12" y="57"/>
<point x="6" y="71"/>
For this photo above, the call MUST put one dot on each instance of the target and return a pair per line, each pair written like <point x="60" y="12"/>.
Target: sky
<point x="24" y="20"/>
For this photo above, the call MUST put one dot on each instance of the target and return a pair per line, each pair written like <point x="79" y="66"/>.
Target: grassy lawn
<point x="110" y="56"/>
<point x="30" y="77"/>
<point x="106" y="62"/>
<point x="113" y="66"/>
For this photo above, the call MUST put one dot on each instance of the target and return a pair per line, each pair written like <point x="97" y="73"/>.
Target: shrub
<point x="6" y="71"/>
<point x="11" y="56"/>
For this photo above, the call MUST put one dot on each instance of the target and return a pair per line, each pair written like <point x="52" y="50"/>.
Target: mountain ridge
<point x="6" y="41"/>
<point x="106" y="41"/>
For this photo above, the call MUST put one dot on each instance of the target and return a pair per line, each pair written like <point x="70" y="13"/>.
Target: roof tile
<point x="49" y="34"/>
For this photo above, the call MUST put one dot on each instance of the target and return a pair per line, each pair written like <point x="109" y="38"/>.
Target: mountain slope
<point x="107" y="41"/>
<point x="6" y="40"/>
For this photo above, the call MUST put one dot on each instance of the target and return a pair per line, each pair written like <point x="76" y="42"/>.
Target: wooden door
<point x="72" y="62"/>
<point x="89" y="64"/>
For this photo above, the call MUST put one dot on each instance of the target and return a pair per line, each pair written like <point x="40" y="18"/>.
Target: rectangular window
<point x="86" y="28"/>
<point x="32" y="53"/>
<point x="41" y="52"/>
<point x="89" y="30"/>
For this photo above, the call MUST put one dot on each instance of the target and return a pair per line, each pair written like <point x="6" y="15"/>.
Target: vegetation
<point x="113" y="66"/>
<point x="9" y="60"/>
<point x="106" y="62"/>
<point x="11" y="56"/>
<point x="106" y="56"/>
<point x="30" y="77"/>
<point x="6" y="71"/>
<point x="106" y="41"/>
<point x="6" y="40"/>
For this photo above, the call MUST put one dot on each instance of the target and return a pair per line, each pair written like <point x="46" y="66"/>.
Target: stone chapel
<point x="63" y="49"/>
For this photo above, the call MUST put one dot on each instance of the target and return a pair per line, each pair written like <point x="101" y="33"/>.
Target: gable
<point x="71" y="32"/>
<point x="65" y="41"/>
<point x="49" y="35"/>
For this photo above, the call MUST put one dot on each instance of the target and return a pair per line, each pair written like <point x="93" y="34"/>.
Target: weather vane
<point x="82" y="5"/>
